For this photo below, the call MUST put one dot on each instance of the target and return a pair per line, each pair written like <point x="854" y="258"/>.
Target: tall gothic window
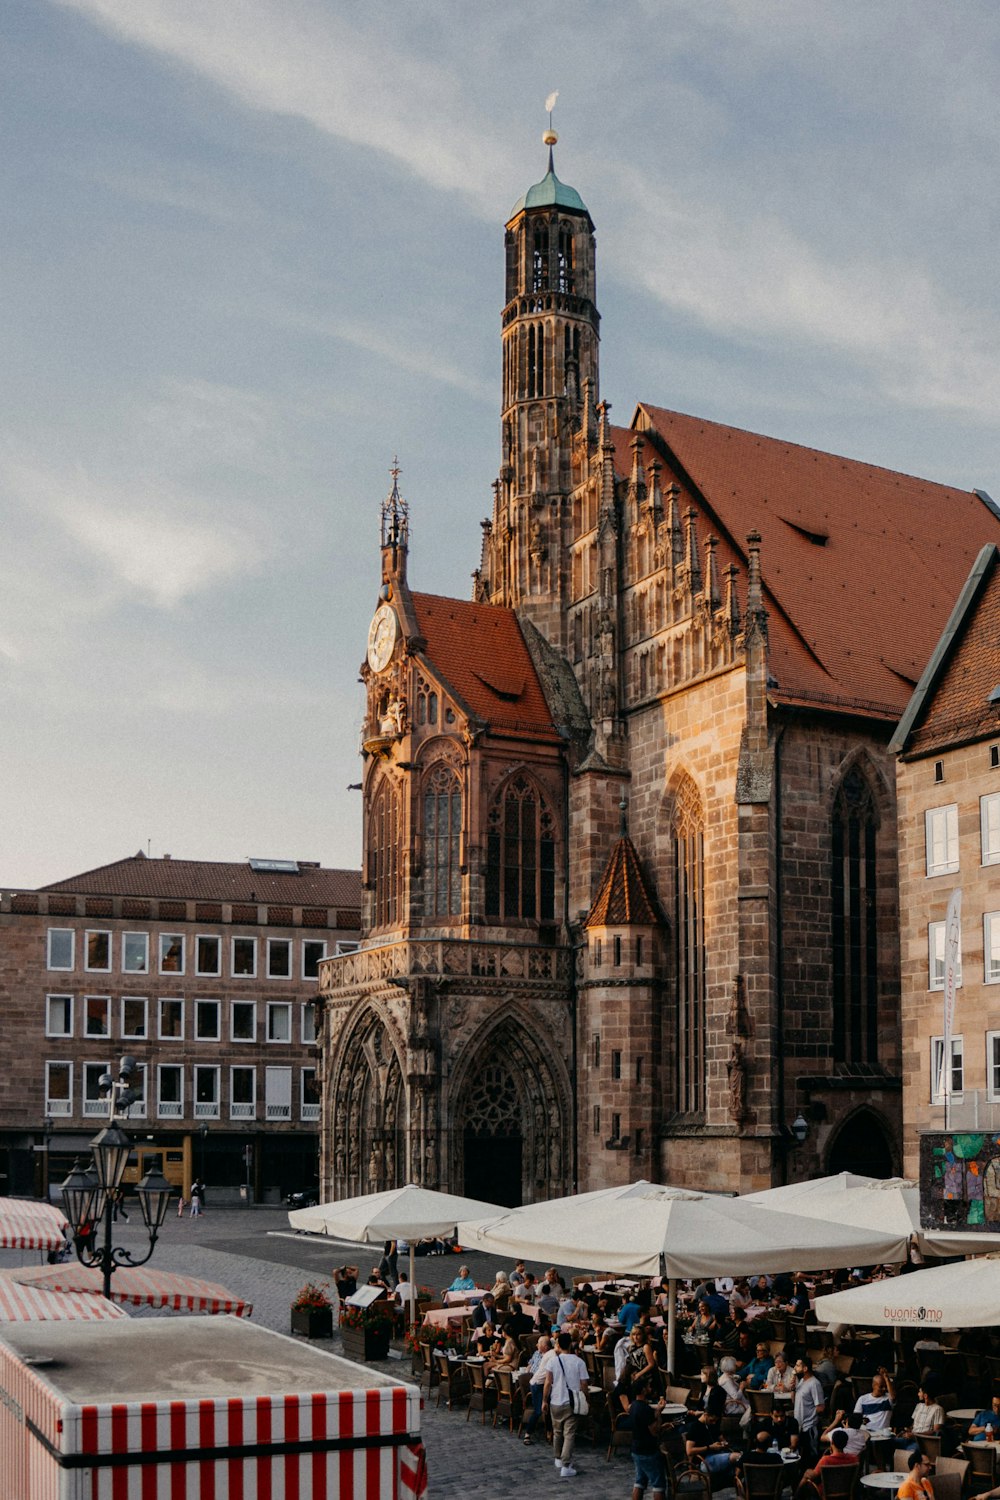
<point x="689" y="948"/>
<point x="442" y="841"/>
<point x="855" y="950"/>
<point x="565" y="271"/>
<point x="540" y="259"/>
<point x="520" y="855"/>
<point x="385" y="856"/>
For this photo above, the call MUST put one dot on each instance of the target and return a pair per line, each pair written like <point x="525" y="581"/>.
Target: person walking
<point x="197" y="1197"/>
<point x="565" y="1376"/>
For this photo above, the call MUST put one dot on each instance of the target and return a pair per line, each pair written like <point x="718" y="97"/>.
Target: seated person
<point x="737" y="1404"/>
<point x="528" y="1290"/>
<point x="783" y="1286"/>
<point x="927" y="1419"/>
<point x="731" y="1328"/>
<point x="463" y="1281"/>
<point x="985" y="1425"/>
<point x="555" y="1281"/>
<point x="486" y="1311"/>
<point x="346" y="1281"/>
<point x="838" y="1454"/>
<point x="640" y="1357"/>
<point x="501" y="1286"/>
<point x="855" y="1429"/>
<point x="517" y="1275"/>
<point x="754" y="1373"/>
<point x="876" y="1405"/>
<point x="798" y="1304"/>
<point x="760" y="1452"/>
<point x="547" y="1301"/>
<point x="505" y="1355"/>
<point x="703" y="1445"/>
<point x="740" y="1297"/>
<point x="782" y="1426"/>
<point x="483" y="1341"/>
<point x="630" y="1312"/>
<point x="517" y="1321"/>
<point x="825" y="1370"/>
<point x="377" y="1279"/>
<point x="567" y="1311"/>
<point x="588" y="1297"/>
<point x="781" y="1376"/>
<point x="403" y="1289"/>
<point x="917" y="1485"/>
<point x="705" y="1325"/>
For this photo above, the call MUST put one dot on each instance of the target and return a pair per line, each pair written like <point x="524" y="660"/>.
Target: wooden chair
<point x="687" y="1483"/>
<point x="839" y="1481"/>
<point x="946" y="1486"/>
<point x="982" y="1466"/>
<point x="428" y="1375"/>
<point x="482" y="1397"/>
<point x="761" y="1404"/>
<point x="621" y="1436"/>
<point x="958" y="1467"/>
<point x="678" y="1395"/>
<point x="929" y="1444"/>
<point x="453" y="1379"/>
<point x="509" y="1401"/>
<point x="762" y="1481"/>
<point x="901" y="1460"/>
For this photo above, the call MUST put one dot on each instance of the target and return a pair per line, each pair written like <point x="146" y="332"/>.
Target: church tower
<point x="550" y="389"/>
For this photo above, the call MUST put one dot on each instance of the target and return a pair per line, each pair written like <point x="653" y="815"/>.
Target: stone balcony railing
<point x="513" y="963"/>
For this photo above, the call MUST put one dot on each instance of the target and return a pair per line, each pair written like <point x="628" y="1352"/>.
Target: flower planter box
<point x="365" y="1343"/>
<point x="313" y="1322"/>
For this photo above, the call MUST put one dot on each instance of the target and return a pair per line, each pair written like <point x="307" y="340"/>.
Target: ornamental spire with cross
<point x="395" y="513"/>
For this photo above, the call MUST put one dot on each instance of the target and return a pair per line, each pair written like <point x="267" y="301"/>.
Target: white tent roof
<point x="963" y="1295"/>
<point x="890" y="1203"/>
<point x="790" y="1192"/>
<point x="644" y="1229"/>
<point x="410" y="1211"/>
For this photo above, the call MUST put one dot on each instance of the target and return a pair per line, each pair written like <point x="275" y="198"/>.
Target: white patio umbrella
<point x="890" y="1203"/>
<point x="410" y="1212"/>
<point x="965" y="1294"/>
<point x="644" y="1229"/>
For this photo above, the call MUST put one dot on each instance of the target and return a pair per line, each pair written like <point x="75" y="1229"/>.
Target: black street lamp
<point x="88" y="1196"/>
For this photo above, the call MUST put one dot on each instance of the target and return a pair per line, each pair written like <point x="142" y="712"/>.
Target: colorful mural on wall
<point x="960" y="1181"/>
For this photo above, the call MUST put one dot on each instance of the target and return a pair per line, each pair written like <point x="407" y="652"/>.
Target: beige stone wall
<point x="967" y="775"/>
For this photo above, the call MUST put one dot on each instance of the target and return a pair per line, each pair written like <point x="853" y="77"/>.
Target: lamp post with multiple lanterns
<point x="88" y="1195"/>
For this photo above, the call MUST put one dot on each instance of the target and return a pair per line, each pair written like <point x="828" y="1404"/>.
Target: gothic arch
<point x="684" y="817"/>
<point x="521" y="848"/>
<point x="511" y="1116"/>
<point x="860" y="761"/>
<point x="863" y="1143"/>
<point x="856" y="867"/>
<point x="384" y="851"/>
<point x="367" y="1107"/>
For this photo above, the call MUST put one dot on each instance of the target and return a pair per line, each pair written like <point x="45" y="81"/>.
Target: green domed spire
<point x="550" y="192"/>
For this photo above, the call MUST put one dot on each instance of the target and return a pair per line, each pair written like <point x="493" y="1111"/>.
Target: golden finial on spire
<point x="549" y="136"/>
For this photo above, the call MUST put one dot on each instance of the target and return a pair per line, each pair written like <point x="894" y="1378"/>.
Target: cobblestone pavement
<point x="252" y="1253"/>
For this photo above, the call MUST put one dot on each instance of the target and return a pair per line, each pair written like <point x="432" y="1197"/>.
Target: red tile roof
<point x="955" y="706"/>
<point x="861" y="565"/>
<point x="480" y="653"/>
<point x="624" y="898"/>
<point x="208" y="880"/>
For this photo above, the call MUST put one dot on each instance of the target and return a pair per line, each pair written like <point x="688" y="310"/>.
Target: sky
<point x="253" y="249"/>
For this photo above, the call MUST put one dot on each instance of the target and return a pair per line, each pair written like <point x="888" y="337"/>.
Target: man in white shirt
<point x="537" y="1365"/>
<point x="565" y="1376"/>
<point x="809" y="1403"/>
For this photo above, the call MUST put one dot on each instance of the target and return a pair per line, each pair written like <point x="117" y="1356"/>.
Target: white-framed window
<point x="60" y="948"/>
<point x="279" y="958"/>
<point x="278" y="1093"/>
<point x="957" y="1068"/>
<point x="207" y="1026"/>
<point x="313" y="949"/>
<point x="243" y="958"/>
<point x="279" y="1021"/>
<point x="309" y="1024"/>
<point x="135" y="952"/>
<point x="243" y="1020"/>
<point x="169" y="1091"/>
<point x="97" y="1015"/>
<point x="993" y="1066"/>
<point x="935" y="957"/>
<point x="98" y="951"/>
<point x="345" y="947"/>
<point x="309" y="1096"/>
<point x="135" y="1017"/>
<point x="989" y="827"/>
<point x="171" y="1020"/>
<point x="242" y="1093"/>
<point x="59" y="1088"/>
<point x="137" y="1109"/>
<point x="95" y="1105"/>
<point x="206" y="1091"/>
<point x="207" y="954"/>
<point x="941" y="832"/>
<point x="991" y="947"/>
<point x="171" y="946"/>
<point x="59" y="1015"/>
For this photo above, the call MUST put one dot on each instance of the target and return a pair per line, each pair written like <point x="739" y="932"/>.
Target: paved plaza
<point x="252" y="1252"/>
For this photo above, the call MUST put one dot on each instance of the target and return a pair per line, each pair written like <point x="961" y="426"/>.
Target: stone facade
<point x="718" y="690"/>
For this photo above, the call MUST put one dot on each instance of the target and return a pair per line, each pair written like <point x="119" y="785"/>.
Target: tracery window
<point x="442" y="843"/>
<point x="540" y="259"/>
<point x="855" y="945"/>
<point x="565" y="267"/>
<point x="384" y="855"/>
<point x="689" y="926"/>
<point x="520" y="855"/>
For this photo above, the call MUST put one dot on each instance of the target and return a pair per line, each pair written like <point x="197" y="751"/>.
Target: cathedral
<point x="629" y="872"/>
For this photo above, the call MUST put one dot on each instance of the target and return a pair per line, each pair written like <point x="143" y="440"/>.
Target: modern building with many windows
<point x="948" y="787"/>
<point x="206" y="974"/>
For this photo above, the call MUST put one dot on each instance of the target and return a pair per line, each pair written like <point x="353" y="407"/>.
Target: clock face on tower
<point x="382" y="635"/>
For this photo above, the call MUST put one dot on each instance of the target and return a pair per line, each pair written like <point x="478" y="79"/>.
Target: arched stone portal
<point x="862" y="1145"/>
<point x="510" y="1125"/>
<point x="367" y="1104"/>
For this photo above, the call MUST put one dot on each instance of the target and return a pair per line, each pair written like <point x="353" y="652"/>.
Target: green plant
<point x="435" y="1338"/>
<point x="311" y="1298"/>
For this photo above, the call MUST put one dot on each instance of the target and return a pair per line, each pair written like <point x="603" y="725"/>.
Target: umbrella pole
<point x="671" y="1325"/>
<point x="413" y="1291"/>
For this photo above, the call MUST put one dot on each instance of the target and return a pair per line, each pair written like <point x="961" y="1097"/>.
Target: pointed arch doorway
<point x="862" y="1145"/>
<point x="493" y="1140"/>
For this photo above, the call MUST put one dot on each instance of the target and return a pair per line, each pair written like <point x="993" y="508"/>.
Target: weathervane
<point x="549" y="136"/>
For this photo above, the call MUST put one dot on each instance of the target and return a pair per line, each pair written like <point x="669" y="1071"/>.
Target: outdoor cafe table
<point x="888" y="1480"/>
<point x="472" y="1297"/>
<point x="964" y="1413"/>
<point x="442" y="1316"/>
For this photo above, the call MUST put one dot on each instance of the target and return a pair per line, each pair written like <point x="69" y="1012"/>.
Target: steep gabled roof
<point x="480" y="654"/>
<point x="209" y="880"/>
<point x="624" y="898"/>
<point x="860" y="564"/>
<point x="953" y="702"/>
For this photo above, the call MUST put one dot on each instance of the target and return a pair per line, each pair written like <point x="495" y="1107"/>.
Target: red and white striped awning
<point x="29" y="1225"/>
<point x="29" y="1304"/>
<point x="140" y="1285"/>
